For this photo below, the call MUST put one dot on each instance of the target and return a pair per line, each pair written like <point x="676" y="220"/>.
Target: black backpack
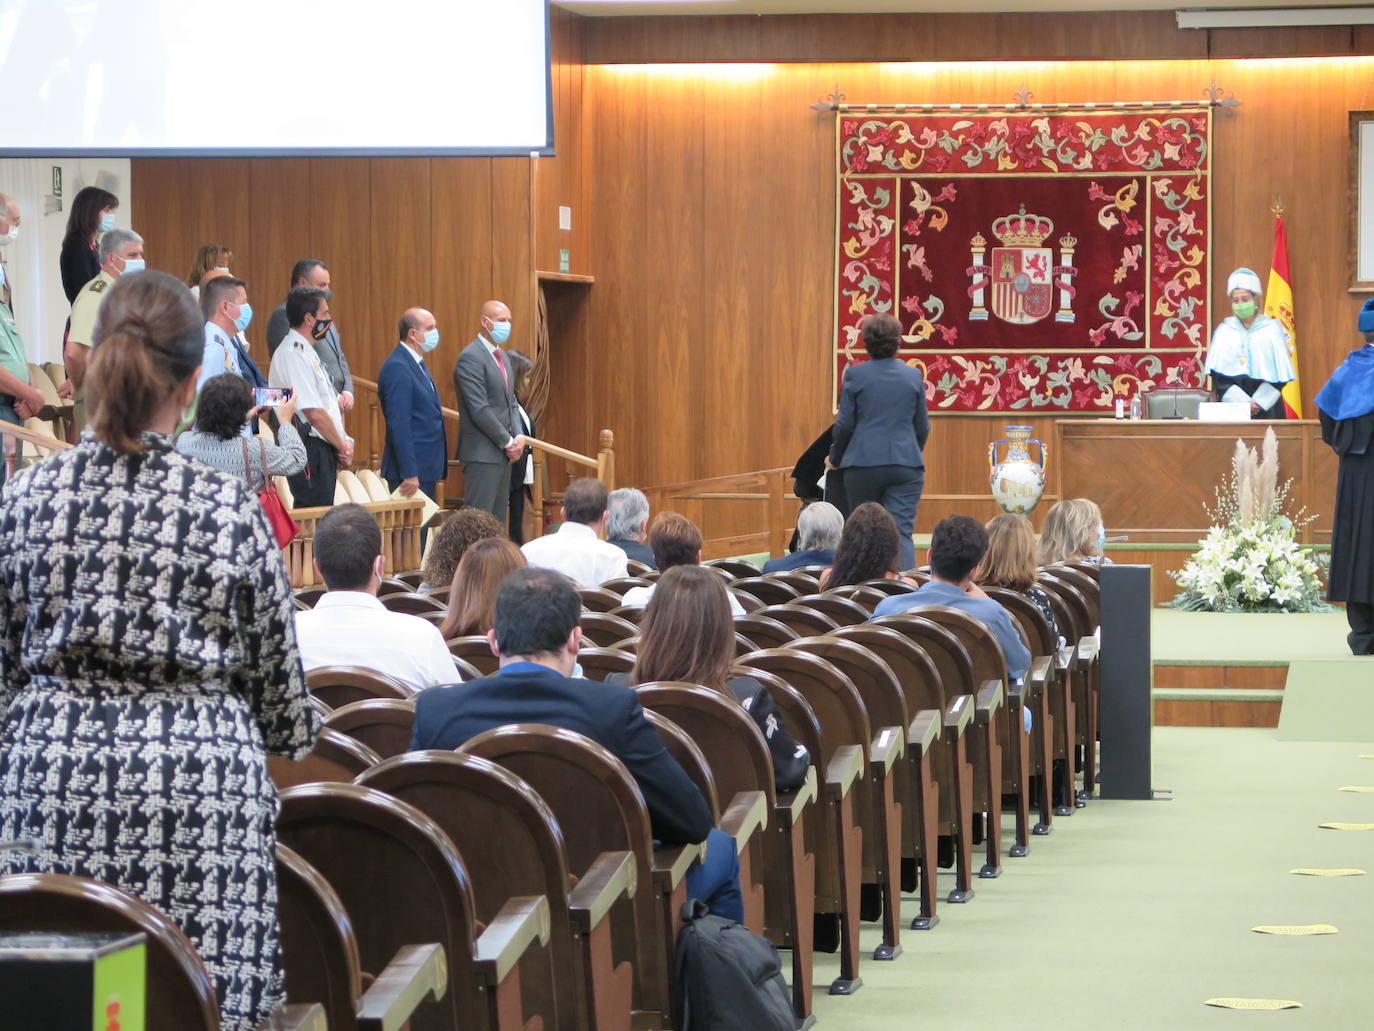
<point x="728" y="978"/>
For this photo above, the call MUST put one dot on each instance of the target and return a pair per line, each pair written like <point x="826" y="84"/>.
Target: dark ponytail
<point x="149" y="338"/>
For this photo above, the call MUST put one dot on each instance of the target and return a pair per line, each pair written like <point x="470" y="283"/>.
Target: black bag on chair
<point x="728" y="978"/>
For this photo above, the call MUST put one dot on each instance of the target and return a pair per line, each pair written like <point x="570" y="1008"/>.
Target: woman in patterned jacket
<point x="148" y="658"/>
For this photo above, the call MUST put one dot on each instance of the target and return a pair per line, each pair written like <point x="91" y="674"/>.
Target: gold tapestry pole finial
<point x="1277" y="208"/>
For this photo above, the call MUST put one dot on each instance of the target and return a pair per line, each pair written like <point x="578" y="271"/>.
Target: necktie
<point x="501" y="364"/>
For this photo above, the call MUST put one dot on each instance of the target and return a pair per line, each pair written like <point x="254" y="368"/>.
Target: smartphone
<point x="271" y="397"/>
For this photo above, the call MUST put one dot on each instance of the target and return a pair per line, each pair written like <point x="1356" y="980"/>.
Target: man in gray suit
<point x="487" y="439"/>
<point x="314" y="273"/>
<point x="881" y="430"/>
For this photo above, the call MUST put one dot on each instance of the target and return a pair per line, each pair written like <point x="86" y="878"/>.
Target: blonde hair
<point x="1070" y="532"/>
<point x="1010" y="558"/>
<point x="472" y="595"/>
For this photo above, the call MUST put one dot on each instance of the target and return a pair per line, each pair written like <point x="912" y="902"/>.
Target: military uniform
<point x="296" y="365"/>
<point x="82" y="332"/>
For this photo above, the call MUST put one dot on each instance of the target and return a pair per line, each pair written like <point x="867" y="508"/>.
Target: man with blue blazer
<point x="489" y="437"/>
<point x="881" y="430"/>
<point x="415" y="457"/>
<point x="537" y="636"/>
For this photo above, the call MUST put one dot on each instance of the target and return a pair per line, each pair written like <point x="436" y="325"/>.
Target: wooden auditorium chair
<point x="764" y="631"/>
<point x="990" y="664"/>
<point x="621" y="584"/>
<point x="339" y="685"/>
<point x="843" y="611"/>
<point x="734" y="568"/>
<point x="956" y="678"/>
<point x="865" y="596"/>
<point x="180" y="994"/>
<point x="598" y="599"/>
<point x="802" y="620"/>
<point x="413" y="604"/>
<point x="599" y="663"/>
<point x="922" y="690"/>
<point x="768" y="589"/>
<point x="475" y="650"/>
<point x="601" y="629"/>
<point x="804" y="582"/>
<point x="844" y="723"/>
<point x="749" y="602"/>
<point x="402" y="882"/>
<point x="740" y="762"/>
<point x="334" y="757"/>
<point x="513" y="846"/>
<point x="600" y="808"/>
<point x="912" y="785"/>
<point x="385" y="725"/>
<point x="321" y="959"/>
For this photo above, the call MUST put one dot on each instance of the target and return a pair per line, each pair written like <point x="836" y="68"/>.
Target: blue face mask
<point x="2" y="275"/>
<point x="500" y="332"/>
<point x="431" y="340"/>
<point x="132" y="265"/>
<point x="1101" y="536"/>
<point x="245" y="317"/>
<point x="107" y="222"/>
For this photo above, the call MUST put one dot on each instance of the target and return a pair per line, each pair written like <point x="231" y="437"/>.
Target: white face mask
<point x="10" y="237"/>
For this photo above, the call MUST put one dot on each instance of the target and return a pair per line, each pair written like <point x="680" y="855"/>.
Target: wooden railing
<point x="602" y="466"/>
<point x="767" y="491"/>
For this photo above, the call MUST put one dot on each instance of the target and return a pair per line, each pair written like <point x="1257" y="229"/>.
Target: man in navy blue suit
<point x="537" y="636"/>
<point x="415" y="457"/>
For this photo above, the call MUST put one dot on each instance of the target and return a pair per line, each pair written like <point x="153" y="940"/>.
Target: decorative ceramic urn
<point x="1017" y="479"/>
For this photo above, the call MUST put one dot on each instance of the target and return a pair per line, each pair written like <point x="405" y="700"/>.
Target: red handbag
<point x="284" y="528"/>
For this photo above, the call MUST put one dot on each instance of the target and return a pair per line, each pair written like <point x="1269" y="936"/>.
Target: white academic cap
<point x="1244" y="279"/>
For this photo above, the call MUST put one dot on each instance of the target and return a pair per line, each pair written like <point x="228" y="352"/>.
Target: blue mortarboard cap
<point x="1366" y="323"/>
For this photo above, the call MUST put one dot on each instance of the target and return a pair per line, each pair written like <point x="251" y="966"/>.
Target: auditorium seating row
<point x="515" y="880"/>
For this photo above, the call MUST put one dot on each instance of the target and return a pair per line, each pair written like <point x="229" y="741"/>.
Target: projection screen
<point x="274" y="77"/>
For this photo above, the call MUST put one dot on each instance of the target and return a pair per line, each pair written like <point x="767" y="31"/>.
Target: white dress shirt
<point x="575" y="551"/>
<point x="296" y="365"/>
<point x="639" y="597"/>
<point x="353" y="628"/>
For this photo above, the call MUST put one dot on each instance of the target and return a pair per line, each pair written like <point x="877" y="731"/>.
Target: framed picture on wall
<point x="1361" y="248"/>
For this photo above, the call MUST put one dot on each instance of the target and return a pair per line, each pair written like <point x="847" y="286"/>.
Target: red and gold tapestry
<point x="1038" y="262"/>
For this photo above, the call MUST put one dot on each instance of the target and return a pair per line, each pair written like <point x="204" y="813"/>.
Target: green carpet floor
<point x="1133" y="913"/>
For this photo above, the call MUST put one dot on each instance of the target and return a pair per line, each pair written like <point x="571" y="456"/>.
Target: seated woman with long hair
<point x="869" y="549"/>
<point x="688" y="635"/>
<point x="1073" y="532"/>
<point x="472" y="595"/>
<point x="1010" y="562"/>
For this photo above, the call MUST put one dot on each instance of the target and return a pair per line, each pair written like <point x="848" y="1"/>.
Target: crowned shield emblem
<point x="1022" y="289"/>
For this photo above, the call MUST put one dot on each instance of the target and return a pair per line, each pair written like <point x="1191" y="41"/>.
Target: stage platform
<point x="1216" y="669"/>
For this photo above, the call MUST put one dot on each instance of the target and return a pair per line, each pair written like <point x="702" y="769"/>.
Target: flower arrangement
<point x="1250" y="560"/>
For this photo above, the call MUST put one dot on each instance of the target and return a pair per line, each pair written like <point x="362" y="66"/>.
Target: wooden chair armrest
<point x="747" y="813"/>
<point x="844" y="768"/>
<point x="297" y="1017"/>
<point x="415" y="972"/>
<point x="989" y="700"/>
<point x="791" y="805"/>
<point x="888" y="747"/>
<point x="1087" y="649"/>
<point x="610" y="876"/>
<point x="521" y="922"/>
<point x="1067" y="657"/>
<point x="1040" y="673"/>
<point x="958" y="715"/>
<point x="672" y="863"/>
<point x="924" y="729"/>
<point x="1017" y="694"/>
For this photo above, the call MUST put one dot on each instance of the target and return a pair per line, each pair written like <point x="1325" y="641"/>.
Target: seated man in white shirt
<point x="576" y="549"/>
<point x="675" y="541"/>
<point x="348" y="625"/>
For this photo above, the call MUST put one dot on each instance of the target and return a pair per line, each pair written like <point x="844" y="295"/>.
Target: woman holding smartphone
<point x="217" y="439"/>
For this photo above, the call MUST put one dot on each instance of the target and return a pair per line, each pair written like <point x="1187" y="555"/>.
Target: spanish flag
<point x="1278" y="304"/>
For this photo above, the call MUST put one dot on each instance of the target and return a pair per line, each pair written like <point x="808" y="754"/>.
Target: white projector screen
<point x="274" y="77"/>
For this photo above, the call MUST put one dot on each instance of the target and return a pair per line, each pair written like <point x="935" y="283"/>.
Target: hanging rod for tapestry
<point x="1212" y="96"/>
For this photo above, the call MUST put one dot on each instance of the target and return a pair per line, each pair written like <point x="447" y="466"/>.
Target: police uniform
<point x="15" y="361"/>
<point x="85" y="308"/>
<point x="296" y="365"/>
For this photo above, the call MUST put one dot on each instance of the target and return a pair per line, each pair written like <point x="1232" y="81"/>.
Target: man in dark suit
<point x="415" y="456"/>
<point x="537" y="637"/>
<point x="488" y="436"/>
<point x="881" y="429"/>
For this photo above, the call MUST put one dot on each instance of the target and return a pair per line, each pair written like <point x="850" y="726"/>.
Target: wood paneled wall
<point x="703" y="203"/>
<point x="439" y="233"/>
<point x="709" y="326"/>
